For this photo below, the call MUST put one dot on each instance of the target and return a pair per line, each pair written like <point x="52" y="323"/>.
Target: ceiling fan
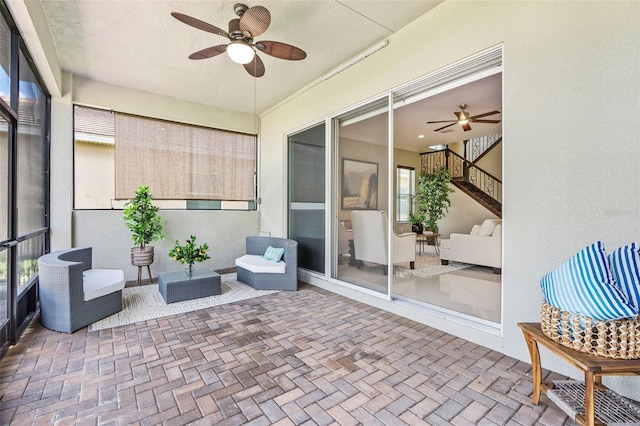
<point x="464" y="119"/>
<point x="252" y="22"/>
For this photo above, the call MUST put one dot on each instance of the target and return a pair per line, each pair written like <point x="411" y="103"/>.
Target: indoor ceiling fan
<point x="252" y="22"/>
<point x="464" y="119"/>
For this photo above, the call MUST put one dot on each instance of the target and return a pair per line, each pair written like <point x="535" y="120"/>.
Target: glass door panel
<point x="307" y="196"/>
<point x="361" y="204"/>
<point x="4" y="287"/>
<point x="4" y="229"/>
<point x="464" y="290"/>
<point x="5" y="63"/>
<point x="4" y="179"/>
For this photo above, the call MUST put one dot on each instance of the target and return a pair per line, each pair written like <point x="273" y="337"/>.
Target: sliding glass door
<point x="306" y="196"/>
<point x="427" y="139"/>
<point x="4" y="230"/>
<point x="361" y="201"/>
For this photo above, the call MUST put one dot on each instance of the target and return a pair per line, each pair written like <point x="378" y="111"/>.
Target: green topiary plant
<point x="432" y="196"/>
<point x="142" y="218"/>
<point x="145" y="224"/>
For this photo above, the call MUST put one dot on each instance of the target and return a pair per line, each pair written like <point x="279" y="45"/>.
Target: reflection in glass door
<point x="361" y="205"/>
<point x="306" y="201"/>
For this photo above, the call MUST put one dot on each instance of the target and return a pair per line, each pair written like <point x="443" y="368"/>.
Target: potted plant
<point x="417" y="218"/>
<point x="145" y="224"/>
<point x="189" y="253"/>
<point x="432" y="196"/>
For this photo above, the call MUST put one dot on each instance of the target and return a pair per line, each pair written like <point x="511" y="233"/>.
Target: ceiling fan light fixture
<point x="240" y="52"/>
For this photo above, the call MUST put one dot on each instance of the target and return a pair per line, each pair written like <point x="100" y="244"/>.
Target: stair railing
<point x="481" y="145"/>
<point x="462" y="170"/>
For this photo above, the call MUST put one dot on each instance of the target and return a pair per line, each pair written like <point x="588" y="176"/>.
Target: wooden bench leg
<point x="589" y="403"/>
<point x="536" y="373"/>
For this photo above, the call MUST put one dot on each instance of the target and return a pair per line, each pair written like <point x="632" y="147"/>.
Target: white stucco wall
<point x="570" y="158"/>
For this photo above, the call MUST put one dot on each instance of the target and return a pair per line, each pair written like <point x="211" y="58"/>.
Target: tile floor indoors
<point x="307" y="357"/>
<point x="474" y="291"/>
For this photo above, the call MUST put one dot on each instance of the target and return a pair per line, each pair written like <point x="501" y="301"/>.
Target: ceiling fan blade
<point x="201" y="25"/>
<point x="466" y="127"/>
<point x="442" y="121"/>
<point x="281" y="50"/>
<point x="209" y="52"/>
<point x="255" y="20"/>
<point x="255" y="67"/>
<point x="485" y="114"/>
<point x="485" y="121"/>
<point x="448" y="125"/>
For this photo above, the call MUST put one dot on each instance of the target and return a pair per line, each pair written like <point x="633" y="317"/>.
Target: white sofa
<point x="482" y="246"/>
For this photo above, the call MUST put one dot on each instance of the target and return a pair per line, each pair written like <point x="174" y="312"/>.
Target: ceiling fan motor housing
<point x="235" y="33"/>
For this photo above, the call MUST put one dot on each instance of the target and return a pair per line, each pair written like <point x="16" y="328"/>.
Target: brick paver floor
<point x="308" y="357"/>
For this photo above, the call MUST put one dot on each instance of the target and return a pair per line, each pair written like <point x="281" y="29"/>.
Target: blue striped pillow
<point x="583" y="285"/>
<point x="625" y="267"/>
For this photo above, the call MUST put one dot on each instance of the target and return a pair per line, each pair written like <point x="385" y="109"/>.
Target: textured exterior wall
<point x="224" y="231"/>
<point x="570" y="161"/>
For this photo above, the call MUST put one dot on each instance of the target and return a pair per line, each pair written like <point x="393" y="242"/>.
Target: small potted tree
<point x="432" y="196"/>
<point x="145" y="224"/>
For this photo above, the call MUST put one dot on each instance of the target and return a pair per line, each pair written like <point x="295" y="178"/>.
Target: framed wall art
<point x="359" y="185"/>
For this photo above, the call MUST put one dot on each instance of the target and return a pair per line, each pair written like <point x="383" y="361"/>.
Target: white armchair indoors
<point x="482" y="246"/>
<point x="370" y="239"/>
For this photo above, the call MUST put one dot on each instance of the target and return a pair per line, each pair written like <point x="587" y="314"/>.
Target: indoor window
<point x="404" y="192"/>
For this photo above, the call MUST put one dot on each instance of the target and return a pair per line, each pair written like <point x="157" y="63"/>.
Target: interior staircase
<point x="479" y="184"/>
<point x="480" y="196"/>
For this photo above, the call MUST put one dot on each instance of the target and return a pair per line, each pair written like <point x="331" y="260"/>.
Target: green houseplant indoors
<point x="417" y="218"/>
<point x="145" y="224"/>
<point x="432" y="196"/>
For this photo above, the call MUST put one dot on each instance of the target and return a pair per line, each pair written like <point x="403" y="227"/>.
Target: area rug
<point x="145" y="302"/>
<point x="429" y="266"/>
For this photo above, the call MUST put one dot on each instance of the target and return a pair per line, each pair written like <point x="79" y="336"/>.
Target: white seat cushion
<point x="260" y="265"/>
<point x="100" y="282"/>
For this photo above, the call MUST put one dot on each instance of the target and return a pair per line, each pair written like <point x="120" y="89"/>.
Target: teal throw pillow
<point x="273" y="253"/>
